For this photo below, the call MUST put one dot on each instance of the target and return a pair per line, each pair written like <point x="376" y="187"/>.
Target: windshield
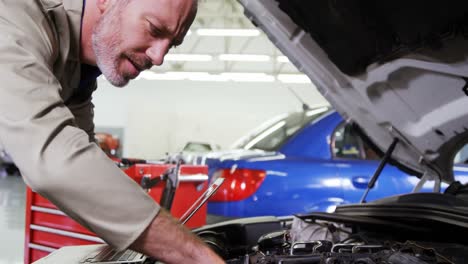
<point x="274" y="135"/>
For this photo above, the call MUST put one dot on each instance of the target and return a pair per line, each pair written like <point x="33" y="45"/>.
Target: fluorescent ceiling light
<point x="149" y="75"/>
<point x="187" y="57"/>
<point x="293" y="78"/>
<point x="248" y="77"/>
<point x="228" y="32"/>
<point x="205" y="76"/>
<point x="179" y="76"/>
<point x="222" y="77"/>
<point x="243" y="57"/>
<point x="282" y="59"/>
<point x="202" y="77"/>
<point x="196" y="76"/>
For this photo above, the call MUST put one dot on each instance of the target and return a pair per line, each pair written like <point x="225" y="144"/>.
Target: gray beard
<point x="106" y="46"/>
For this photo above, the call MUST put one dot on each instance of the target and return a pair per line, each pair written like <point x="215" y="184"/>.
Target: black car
<point x="398" y="71"/>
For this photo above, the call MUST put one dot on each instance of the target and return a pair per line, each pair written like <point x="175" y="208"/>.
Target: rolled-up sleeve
<point x="55" y="157"/>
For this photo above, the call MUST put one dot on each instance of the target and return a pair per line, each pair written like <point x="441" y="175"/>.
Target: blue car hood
<point x="392" y="87"/>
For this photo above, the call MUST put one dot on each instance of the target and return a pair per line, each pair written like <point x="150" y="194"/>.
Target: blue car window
<point x="273" y="137"/>
<point x="347" y="144"/>
<point x="462" y="156"/>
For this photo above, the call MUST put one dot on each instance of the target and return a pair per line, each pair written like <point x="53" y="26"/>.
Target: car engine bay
<point x="414" y="228"/>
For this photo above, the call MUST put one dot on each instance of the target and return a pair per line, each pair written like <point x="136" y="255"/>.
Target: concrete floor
<point x="12" y="217"/>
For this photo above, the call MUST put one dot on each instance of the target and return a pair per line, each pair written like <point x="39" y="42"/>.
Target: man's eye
<point x="154" y="31"/>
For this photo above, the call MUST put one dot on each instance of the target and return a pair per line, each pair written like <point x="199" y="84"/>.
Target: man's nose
<point x="157" y="51"/>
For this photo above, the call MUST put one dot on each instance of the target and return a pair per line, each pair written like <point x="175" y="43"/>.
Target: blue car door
<point x="356" y="175"/>
<point x="357" y="163"/>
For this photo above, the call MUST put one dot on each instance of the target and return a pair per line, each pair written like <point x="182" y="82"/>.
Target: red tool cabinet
<point x="48" y="229"/>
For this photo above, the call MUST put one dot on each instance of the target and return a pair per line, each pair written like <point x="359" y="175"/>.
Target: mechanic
<point x="49" y="53"/>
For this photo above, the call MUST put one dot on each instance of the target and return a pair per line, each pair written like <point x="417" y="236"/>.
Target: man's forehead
<point x="184" y="8"/>
<point x="173" y="13"/>
<point x="176" y="3"/>
<point x="170" y="17"/>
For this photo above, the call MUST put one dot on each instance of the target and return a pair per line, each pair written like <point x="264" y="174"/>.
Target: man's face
<point x="133" y="35"/>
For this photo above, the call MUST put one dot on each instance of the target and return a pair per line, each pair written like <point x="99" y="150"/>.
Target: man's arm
<point x="82" y="109"/>
<point x="164" y="239"/>
<point x="55" y="157"/>
<point x="167" y="241"/>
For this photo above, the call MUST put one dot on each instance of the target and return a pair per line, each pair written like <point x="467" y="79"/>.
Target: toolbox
<point x="48" y="229"/>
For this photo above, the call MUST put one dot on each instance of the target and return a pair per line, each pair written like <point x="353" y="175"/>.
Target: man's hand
<point x="168" y="241"/>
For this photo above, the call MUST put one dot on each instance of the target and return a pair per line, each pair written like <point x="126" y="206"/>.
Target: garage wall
<point x="161" y="116"/>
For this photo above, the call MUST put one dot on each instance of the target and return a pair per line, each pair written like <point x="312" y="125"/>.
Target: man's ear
<point x="102" y="5"/>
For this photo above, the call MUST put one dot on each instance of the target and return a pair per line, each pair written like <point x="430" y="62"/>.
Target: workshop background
<point x="225" y="80"/>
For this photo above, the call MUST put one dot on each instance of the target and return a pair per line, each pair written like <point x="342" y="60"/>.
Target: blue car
<point x="303" y="162"/>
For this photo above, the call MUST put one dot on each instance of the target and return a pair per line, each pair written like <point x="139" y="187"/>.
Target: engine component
<point x="302" y="230"/>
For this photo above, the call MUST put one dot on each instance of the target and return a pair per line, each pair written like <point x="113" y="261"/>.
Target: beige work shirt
<point x="46" y="123"/>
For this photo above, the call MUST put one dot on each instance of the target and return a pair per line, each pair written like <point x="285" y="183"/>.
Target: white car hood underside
<point x="418" y="99"/>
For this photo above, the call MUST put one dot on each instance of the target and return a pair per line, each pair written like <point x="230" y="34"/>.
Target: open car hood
<point x="398" y="70"/>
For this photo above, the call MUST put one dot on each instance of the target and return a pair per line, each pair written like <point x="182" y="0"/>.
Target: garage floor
<point x="12" y="210"/>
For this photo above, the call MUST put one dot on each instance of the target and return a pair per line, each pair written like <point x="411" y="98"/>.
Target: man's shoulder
<point x="68" y="5"/>
<point x="25" y="23"/>
<point x="47" y="4"/>
<point x="11" y="8"/>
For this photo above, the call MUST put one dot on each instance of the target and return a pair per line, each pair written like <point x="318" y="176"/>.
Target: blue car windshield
<point x="273" y="137"/>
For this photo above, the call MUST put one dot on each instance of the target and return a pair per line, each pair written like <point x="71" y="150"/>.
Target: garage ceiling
<point x="207" y="54"/>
